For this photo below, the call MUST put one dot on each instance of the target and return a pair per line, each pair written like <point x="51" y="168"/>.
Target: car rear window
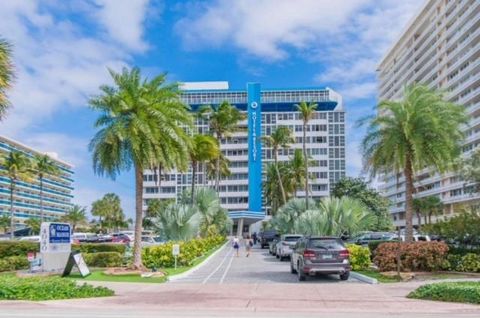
<point x="325" y="243"/>
<point x="292" y="238"/>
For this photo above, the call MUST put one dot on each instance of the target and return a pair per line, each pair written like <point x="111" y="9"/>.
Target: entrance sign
<point x="76" y="259"/>
<point x="254" y="111"/>
<point x="55" y="245"/>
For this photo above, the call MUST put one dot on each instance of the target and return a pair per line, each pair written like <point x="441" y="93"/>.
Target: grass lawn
<point x="381" y="278"/>
<point x="98" y="275"/>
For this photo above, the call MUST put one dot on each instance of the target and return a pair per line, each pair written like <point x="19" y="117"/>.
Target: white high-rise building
<point x="266" y="109"/>
<point x="439" y="47"/>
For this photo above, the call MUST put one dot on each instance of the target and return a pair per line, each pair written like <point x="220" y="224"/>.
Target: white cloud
<point x="58" y="64"/>
<point x="265" y="28"/>
<point x="124" y="20"/>
<point x="356" y="91"/>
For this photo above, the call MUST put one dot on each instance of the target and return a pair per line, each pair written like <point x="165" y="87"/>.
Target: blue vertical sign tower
<point x="254" y="149"/>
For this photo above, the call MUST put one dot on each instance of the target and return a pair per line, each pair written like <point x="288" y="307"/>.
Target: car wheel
<point x="345" y="276"/>
<point x="301" y="274"/>
<point x="278" y="256"/>
<point x="292" y="269"/>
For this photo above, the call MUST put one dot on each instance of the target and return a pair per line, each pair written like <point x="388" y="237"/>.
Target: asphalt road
<point x="259" y="268"/>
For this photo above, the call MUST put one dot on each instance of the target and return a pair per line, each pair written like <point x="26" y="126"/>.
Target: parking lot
<point x="260" y="267"/>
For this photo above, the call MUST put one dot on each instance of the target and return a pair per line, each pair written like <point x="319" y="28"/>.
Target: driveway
<point x="259" y="268"/>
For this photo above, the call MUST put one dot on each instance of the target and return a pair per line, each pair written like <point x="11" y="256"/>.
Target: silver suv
<point x="320" y="255"/>
<point x="284" y="246"/>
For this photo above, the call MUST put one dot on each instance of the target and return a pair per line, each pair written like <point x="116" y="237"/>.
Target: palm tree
<point x="141" y="124"/>
<point x="211" y="167"/>
<point x="335" y="217"/>
<point x="44" y="166"/>
<point x="307" y="112"/>
<point x="284" y="220"/>
<point x="4" y="223"/>
<point x="271" y="187"/>
<point x="223" y="121"/>
<point x="75" y="215"/>
<point x="179" y="221"/>
<point x="297" y="170"/>
<point x="17" y="166"/>
<point x="434" y="206"/>
<point x="34" y="225"/>
<point x="204" y="148"/>
<point x="212" y="215"/>
<point x="280" y="138"/>
<point x="6" y="75"/>
<point x="422" y="130"/>
<point x="419" y="208"/>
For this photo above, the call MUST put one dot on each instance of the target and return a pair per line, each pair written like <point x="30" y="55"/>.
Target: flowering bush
<point x="359" y="257"/>
<point x="161" y="256"/>
<point x="417" y="256"/>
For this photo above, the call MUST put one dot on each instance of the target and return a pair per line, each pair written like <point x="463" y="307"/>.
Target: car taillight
<point x="344" y="253"/>
<point x="308" y="254"/>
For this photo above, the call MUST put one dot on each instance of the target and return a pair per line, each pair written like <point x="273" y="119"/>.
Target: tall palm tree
<point x="211" y="167"/>
<point x="223" y="121"/>
<point x="307" y="111"/>
<point x="17" y="167"/>
<point x="280" y="138"/>
<point x="297" y="171"/>
<point x="434" y="207"/>
<point x="141" y="124"/>
<point x="34" y="225"/>
<point x="44" y="166"/>
<point x="422" y="130"/>
<point x="204" y="148"/>
<point x="76" y="215"/>
<point x="6" y="75"/>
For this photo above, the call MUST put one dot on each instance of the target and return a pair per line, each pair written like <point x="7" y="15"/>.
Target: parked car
<point x="151" y="241"/>
<point x="130" y="234"/>
<point x="266" y="237"/>
<point x="272" y="245"/>
<point x="416" y="238"/>
<point x="320" y="255"/>
<point x="284" y="246"/>
<point x="33" y="238"/>
<point x="83" y="237"/>
<point x="365" y="238"/>
<point x="120" y="238"/>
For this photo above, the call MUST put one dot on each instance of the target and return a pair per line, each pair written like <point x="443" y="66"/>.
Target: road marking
<point x="218" y="267"/>
<point x="226" y="270"/>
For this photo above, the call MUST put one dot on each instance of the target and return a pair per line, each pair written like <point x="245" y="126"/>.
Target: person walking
<point x="236" y="245"/>
<point x="254" y="237"/>
<point x="248" y="245"/>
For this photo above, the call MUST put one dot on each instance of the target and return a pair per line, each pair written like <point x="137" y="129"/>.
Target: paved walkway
<point x="260" y="267"/>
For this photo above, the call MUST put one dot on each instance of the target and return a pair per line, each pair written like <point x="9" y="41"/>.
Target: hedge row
<point x="161" y="256"/>
<point x="13" y="263"/>
<point x="103" y="259"/>
<point x="416" y="256"/>
<point x="463" y="292"/>
<point x="47" y="288"/>
<point x="99" y="247"/>
<point x="467" y="263"/>
<point x="17" y="248"/>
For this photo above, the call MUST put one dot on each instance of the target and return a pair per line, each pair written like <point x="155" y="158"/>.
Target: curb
<point x="363" y="278"/>
<point x="194" y="269"/>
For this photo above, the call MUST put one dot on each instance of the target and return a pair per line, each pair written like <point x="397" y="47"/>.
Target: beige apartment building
<point x="439" y="47"/>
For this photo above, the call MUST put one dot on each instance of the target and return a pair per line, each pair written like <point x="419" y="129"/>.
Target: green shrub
<point x="416" y="256"/>
<point x="464" y="292"/>
<point x="99" y="247"/>
<point x="469" y="263"/>
<point x="372" y="246"/>
<point x="17" y="248"/>
<point x="462" y="250"/>
<point x="161" y="255"/>
<point x="13" y="263"/>
<point x="47" y="288"/>
<point x="359" y="257"/>
<point x="103" y="259"/>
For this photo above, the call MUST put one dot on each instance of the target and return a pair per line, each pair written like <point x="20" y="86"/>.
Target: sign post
<point x="55" y="245"/>
<point x="175" y="252"/>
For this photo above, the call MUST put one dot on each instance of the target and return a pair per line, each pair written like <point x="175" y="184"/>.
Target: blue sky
<point x="62" y="50"/>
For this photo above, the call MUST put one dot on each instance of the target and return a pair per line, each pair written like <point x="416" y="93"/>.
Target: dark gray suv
<point x="320" y="255"/>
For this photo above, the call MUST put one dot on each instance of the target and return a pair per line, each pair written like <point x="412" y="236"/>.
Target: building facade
<point x="266" y="109"/>
<point x="57" y="191"/>
<point x="441" y="48"/>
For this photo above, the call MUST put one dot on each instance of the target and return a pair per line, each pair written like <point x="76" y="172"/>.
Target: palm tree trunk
<point x="408" y="172"/>
<point x="284" y="197"/>
<point x="12" y="218"/>
<point x="306" y="162"/>
<point x="419" y="219"/>
<point x="217" y="166"/>
<point x="429" y="218"/>
<point x="137" y="247"/>
<point x="41" y="199"/>
<point x="194" y="173"/>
